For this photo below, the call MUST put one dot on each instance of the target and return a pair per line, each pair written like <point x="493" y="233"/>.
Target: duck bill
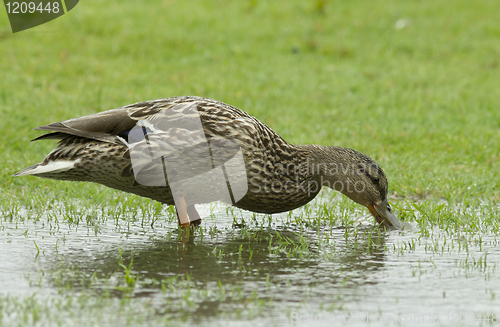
<point x="384" y="216"/>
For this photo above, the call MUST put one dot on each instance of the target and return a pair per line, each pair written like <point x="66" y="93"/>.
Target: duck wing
<point x="107" y="125"/>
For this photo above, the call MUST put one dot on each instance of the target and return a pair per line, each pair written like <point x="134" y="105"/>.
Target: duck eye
<point x="375" y="180"/>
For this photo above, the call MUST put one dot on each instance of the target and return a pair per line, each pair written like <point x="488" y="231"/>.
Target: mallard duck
<point x="188" y="150"/>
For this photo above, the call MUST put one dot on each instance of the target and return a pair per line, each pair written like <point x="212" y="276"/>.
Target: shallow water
<point x="240" y="267"/>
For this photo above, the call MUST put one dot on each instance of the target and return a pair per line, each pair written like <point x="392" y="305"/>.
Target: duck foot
<point x="196" y="222"/>
<point x="186" y="215"/>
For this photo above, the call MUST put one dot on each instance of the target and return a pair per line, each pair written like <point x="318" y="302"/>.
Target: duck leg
<point x="194" y="216"/>
<point x="181" y="209"/>
<point x="187" y="215"/>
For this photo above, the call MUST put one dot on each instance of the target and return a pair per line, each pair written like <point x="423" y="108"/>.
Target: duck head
<point x="362" y="180"/>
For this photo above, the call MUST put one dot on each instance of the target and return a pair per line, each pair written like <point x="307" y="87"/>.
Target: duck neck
<point x="334" y="167"/>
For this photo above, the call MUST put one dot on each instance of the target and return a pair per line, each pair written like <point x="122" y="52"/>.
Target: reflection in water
<point x="113" y="266"/>
<point x="212" y="272"/>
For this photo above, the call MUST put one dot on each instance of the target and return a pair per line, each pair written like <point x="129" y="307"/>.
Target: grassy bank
<point x="414" y="85"/>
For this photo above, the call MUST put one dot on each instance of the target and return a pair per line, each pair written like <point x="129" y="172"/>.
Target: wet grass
<point x="138" y="268"/>
<point x="413" y="85"/>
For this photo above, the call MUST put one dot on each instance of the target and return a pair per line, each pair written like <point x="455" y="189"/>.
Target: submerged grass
<point x="245" y="267"/>
<point x="411" y="84"/>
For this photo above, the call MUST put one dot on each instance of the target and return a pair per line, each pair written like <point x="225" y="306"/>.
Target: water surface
<point x="97" y="268"/>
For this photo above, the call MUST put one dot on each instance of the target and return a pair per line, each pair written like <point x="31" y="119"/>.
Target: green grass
<point x="412" y="84"/>
<point x="420" y="100"/>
